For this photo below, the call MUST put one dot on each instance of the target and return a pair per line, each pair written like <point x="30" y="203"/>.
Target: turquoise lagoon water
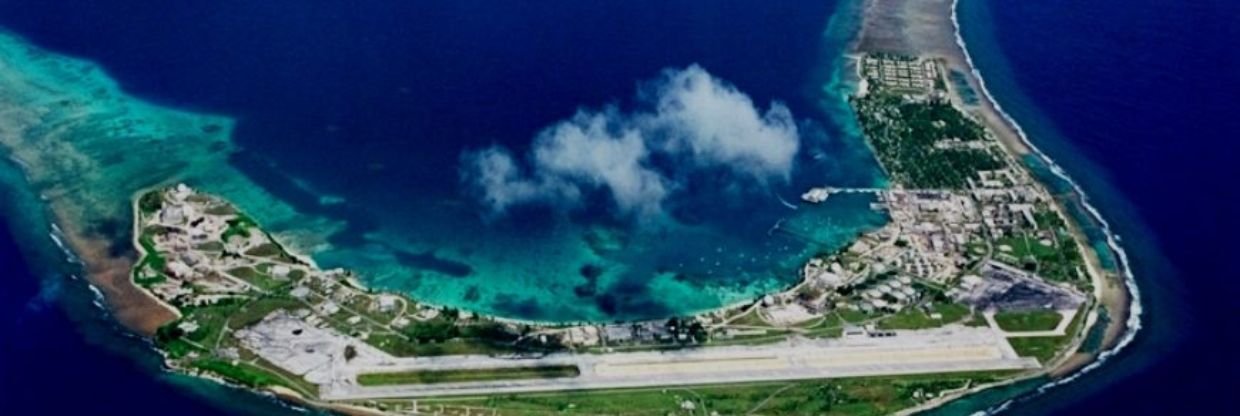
<point x="1095" y="103"/>
<point x="380" y="191"/>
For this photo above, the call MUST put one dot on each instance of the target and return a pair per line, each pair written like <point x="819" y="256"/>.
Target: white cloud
<point x="694" y="120"/>
<point x="586" y="151"/>
<point x="501" y="184"/>
<point x="720" y="125"/>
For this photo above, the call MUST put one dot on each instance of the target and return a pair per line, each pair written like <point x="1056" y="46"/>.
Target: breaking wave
<point x="1133" y="325"/>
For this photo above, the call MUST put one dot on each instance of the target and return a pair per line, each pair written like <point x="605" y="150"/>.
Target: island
<point x="991" y="270"/>
<point x="982" y="276"/>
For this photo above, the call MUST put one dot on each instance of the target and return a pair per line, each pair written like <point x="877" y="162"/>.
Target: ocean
<point x="348" y="124"/>
<point x="1135" y="99"/>
<point x="352" y="129"/>
<point x="62" y="354"/>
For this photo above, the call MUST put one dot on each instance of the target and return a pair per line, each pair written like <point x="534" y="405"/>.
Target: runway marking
<point x="899" y="356"/>
<point x="691" y="367"/>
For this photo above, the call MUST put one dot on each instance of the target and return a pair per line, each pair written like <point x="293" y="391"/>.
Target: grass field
<point x="1028" y="321"/>
<point x="750" y="318"/>
<point x="1042" y="348"/>
<point x="243" y="373"/>
<point x="915" y="318"/>
<point x="453" y="376"/>
<point x="1058" y="261"/>
<point x="1045" y="348"/>
<point x="265" y="250"/>
<point x="261" y="280"/>
<point x="831" y="326"/>
<point x="259" y="308"/>
<point x="255" y="375"/>
<point x="852" y="316"/>
<point x="211" y="320"/>
<point x="852" y="396"/>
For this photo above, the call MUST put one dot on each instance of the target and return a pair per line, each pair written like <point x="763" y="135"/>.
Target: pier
<point x="819" y="194"/>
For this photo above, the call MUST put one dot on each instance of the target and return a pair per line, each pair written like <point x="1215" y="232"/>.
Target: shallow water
<point x="1095" y="105"/>
<point x="62" y="353"/>
<point x="361" y="165"/>
<point x="1131" y="99"/>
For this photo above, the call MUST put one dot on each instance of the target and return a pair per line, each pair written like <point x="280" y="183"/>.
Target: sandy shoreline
<point x="929" y="28"/>
<point x="924" y="27"/>
<point x="132" y="307"/>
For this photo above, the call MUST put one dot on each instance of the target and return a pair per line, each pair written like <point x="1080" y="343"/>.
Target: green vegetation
<point x="1047" y="219"/>
<point x="152" y="261"/>
<point x="259" y="308"/>
<point x="1025" y="246"/>
<point x="221" y="210"/>
<point x="924" y="144"/>
<point x="917" y="318"/>
<point x="148" y="281"/>
<point x="400" y="346"/>
<point x="214" y="320"/>
<point x="170" y="339"/>
<point x="768" y="336"/>
<point x="262" y="280"/>
<point x="211" y="321"/>
<point x="369" y="308"/>
<point x="456" y="376"/>
<point x="210" y="246"/>
<point x="433" y="331"/>
<point x="750" y="318"/>
<point x="1042" y="348"/>
<point x="273" y="250"/>
<point x="239" y="226"/>
<point x="151" y="202"/>
<point x="1028" y="321"/>
<point x="240" y="372"/>
<point x="179" y="348"/>
<point x="830" y="326"/>
<point x="288" y="379"/>
<point x="445" y="335"/>
<point x="977" y="320"/>
<point x="854" y="396"/>
<point x="1045" y="348"/>
<point x="977" y="247"/>
<point x="203" y="340"/>
<point x="1056" y="258"/>
<point x="265" y="250"/>
<point x="252" y="375"/>
<point x="250" y="371"/>
<point x="852" y="316"/>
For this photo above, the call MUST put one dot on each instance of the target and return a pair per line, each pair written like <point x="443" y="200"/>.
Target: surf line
<point x="1133" y="325"/>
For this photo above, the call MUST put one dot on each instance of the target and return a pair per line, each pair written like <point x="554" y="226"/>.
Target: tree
<point x="150" y="202"/>
<point x="698" y="332"/>
<point x="350" y="352"/>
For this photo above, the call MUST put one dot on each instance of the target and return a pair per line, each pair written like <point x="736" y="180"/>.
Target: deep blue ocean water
<point x="61" y="354"/>
<point x="362" y="113"/>
<point x="1134" y="98"/>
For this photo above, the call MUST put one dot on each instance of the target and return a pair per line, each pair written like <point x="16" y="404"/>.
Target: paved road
<point x="950" y="349"/>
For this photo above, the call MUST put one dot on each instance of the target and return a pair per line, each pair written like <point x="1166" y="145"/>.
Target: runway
<point x="950" y="349"/>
